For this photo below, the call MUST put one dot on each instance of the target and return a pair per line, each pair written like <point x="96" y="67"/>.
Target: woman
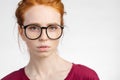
<point x="40" y="24"/>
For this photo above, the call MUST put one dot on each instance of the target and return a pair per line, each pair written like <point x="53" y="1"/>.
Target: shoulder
<point x="81" y="72"/>
<point x="16" y="75"/>
<point x="82" y="68"/>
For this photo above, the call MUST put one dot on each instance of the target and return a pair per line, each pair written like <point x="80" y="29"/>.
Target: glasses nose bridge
<point x="43" y="28"/>
<point x="43" y="33"/>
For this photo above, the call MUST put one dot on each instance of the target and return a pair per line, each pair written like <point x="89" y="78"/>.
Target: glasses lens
<point x="33" y="31"/>
<point x="54" y="31"/>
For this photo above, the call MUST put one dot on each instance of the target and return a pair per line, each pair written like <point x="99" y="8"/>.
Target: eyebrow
<point x="41" y="25"/>
<point x="32" y="24"/>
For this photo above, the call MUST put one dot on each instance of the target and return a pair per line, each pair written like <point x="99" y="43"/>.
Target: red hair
<point x="24" y="5"/>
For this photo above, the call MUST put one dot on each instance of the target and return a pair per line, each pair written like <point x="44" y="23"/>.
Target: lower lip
<point x="43" y="48"/>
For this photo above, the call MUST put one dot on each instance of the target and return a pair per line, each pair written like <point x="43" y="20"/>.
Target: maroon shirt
<point x="77" y="72"/>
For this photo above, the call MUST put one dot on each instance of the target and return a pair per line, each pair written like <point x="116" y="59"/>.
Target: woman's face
<point x="44" y="16"/>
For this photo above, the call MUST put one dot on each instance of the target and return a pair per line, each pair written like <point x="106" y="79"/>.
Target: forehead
<point x="41" y="14"/>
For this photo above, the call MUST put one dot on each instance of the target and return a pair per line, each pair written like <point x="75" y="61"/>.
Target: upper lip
<point x="43" y="46"/>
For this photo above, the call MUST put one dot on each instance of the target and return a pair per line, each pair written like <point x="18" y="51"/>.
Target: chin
<point x="44" y="54"/>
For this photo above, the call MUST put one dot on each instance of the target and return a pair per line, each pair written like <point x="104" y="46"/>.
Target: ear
<point x="20" y="31"/>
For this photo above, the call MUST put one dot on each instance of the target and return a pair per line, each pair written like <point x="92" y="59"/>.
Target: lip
<point x="43" y="48"/>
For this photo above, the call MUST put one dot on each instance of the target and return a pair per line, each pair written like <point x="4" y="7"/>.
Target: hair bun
<point x="24" y="5"/>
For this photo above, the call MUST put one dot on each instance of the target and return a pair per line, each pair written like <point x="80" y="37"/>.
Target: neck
<point x="45" y="65"/>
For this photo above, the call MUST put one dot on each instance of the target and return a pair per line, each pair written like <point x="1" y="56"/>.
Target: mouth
<point x="43" y="48"/>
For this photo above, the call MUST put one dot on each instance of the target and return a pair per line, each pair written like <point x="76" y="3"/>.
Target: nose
<point x="43" y="36"/>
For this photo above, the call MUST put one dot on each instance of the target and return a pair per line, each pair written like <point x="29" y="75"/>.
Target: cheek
<point x="55" y="43"/>
<point x="30" y="44"/>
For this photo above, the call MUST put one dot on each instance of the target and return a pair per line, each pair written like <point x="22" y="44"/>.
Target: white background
<point x="91" y="37"/>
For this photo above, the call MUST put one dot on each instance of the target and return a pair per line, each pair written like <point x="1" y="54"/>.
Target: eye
<point x="53" y="27"/>
<point x="33" y="28"/>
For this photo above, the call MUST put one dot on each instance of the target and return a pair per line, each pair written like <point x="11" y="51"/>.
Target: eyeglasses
<point x="34" y="31"/>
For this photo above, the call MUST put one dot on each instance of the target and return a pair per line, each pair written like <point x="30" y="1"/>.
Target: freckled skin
<point x="44" y="63"/>
<point x="42" y="15"/>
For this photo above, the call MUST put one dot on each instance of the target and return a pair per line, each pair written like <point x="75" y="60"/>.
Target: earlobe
<point x="20" y="31"/>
